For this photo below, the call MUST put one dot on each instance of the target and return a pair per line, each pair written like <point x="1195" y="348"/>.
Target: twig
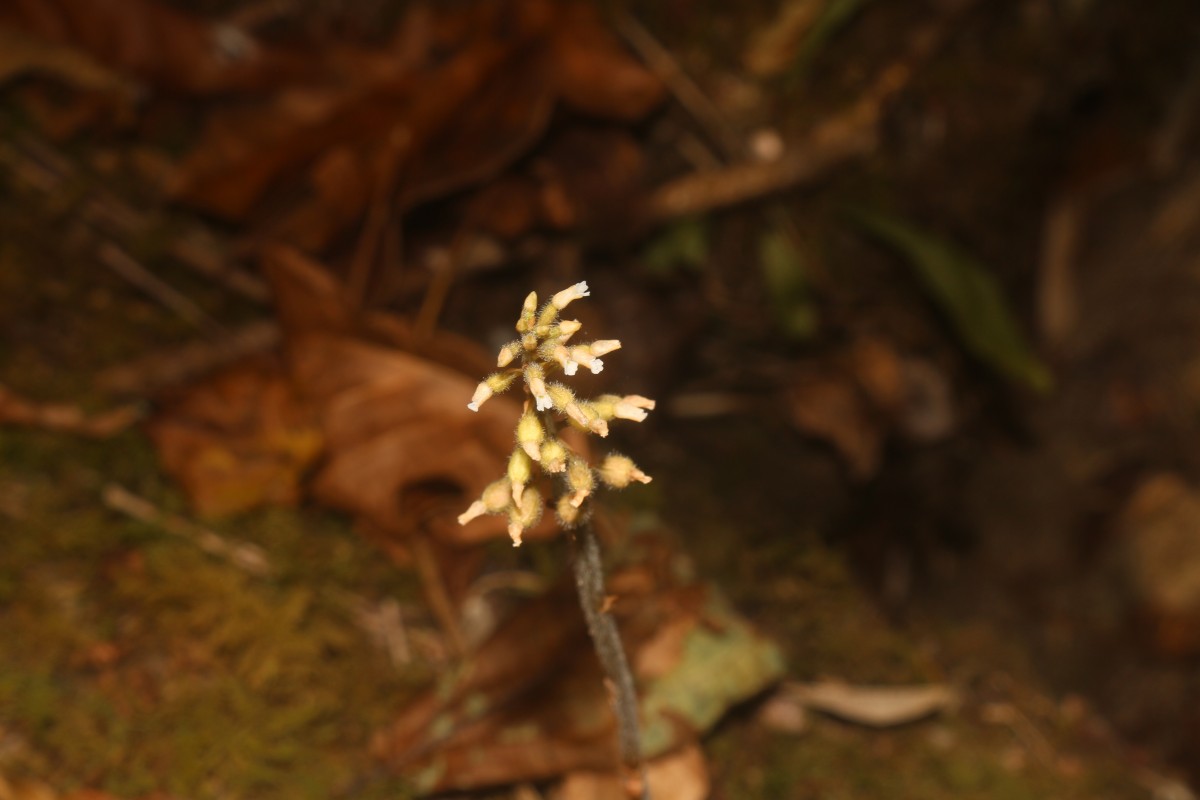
<point x="434" y="586"/>
<point x="853" y="133"/>
<point x="63" y="418"/>
<point x="177" y="365"/>
<point x="244" y="555"/>
<point x="690" y="96"/>
<point x="126" y="267"/>
<point x="589" y="581"/>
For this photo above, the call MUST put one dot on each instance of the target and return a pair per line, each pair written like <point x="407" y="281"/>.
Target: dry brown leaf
<point x="530" y="703"/>
<point x="430" y="121"/>
<point x="239" y="439"/>
<point x="595" y="74"/>
<point x="396" y="425"/>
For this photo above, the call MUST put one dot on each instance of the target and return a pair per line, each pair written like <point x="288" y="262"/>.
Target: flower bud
<point x="568" y="515"/>
<point x="497" y="495"/>
<point x="581" y="481"/>
<point x="535" y="376"/>
<point x="554" y="455"/>
<point x="553" y="351"/>
<point x="520" y="470"/>
<point x="530" y="435"/>
<point x="631" y="407"/>
<point x="618" y="471"/>
<point x="604" y="346"/>
<point x="560" y="396"/>
<point x="495" y="383"/>
<point x="567" y="328"/>
<point x="584" y="414"/>
<point x="547" y="318"/>
<point x="508" y="353"/>
<point x="525" y="322"/>
<point x="524" y="515"/>
<point x="570" y="294"/>
<point x="583" y="355"/>
<point x="495" y="498"/>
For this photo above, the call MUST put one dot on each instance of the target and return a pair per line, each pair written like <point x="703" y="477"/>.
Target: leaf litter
<point x="360" y="411"/>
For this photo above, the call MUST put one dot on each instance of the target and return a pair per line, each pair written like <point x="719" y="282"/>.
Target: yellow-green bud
<point x="524" y="515"/>
<point x="580" y="479"/>
<point x="568" y="515"/>
<point x="525" y="322"/>
<point x="619" y="471"/>
<point x="507" y="354"/>
<point x="497" y="496"/>
<point x="554" y="455"/>
<point x="547" y="318"/>
<point x="560" y="396"/>
<point x="530" y="435"/>
<point x="520" y="470"/>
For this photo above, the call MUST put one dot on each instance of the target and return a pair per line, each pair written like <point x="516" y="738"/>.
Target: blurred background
<point x="916" y="288"/>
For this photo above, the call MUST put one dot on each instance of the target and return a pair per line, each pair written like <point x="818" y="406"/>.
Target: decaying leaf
<point x="385" y="431"/>
<point x="969" y="296"/>
<point x="530" y="703"/>
<point x="395" y="423"/>
<point x="408" y="127"/>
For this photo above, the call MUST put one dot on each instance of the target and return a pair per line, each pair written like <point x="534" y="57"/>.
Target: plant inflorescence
<point x="543" y="349"/>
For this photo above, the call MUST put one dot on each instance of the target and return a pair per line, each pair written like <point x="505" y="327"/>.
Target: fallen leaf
<point x="969" y="296"/>
<point x="530" y="703"/>
<point x="395" y="424"/>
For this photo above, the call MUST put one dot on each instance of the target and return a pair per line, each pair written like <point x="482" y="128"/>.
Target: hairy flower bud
<point x="554" y="455"/>
<point x="496" y="497"/>
<point x="524" y="515"/>
<point x="568" y="515"/>
<point x="535" y="376"/>
<point x="520" y="471"/>
<point x="530" y="435"/>
<point x="580" y="479"/>
<point x="619" y="471"/>
<point x="508" y="353"/>
<point x="525" y="321"/>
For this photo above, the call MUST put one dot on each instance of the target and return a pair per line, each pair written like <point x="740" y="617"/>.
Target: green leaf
<point x="787" y="285"/>
<point x="682" y="246"/>
<point x="967" y="293"/>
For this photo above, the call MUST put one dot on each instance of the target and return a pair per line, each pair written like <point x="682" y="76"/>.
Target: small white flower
<point x="575" y="292"/>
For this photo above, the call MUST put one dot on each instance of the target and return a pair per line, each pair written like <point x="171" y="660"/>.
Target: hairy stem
<point x="589" y="581"/>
